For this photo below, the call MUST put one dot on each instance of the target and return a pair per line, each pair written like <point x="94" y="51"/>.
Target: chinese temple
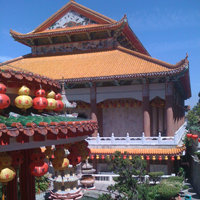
<point x="137" y="100"/>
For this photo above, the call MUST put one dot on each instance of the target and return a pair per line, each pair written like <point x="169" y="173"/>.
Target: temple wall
<point x="121" y="120"/>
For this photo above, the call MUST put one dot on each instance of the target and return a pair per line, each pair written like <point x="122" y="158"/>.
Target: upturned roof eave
<point x="64" y="31"/>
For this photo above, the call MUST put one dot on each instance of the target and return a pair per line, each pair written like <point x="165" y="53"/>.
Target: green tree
<point x="126" y="185"/>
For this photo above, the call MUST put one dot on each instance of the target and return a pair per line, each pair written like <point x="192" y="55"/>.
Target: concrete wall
<point x="121" y="120"/>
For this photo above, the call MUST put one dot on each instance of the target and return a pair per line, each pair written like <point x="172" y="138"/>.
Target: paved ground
<point x="190" y="191"/>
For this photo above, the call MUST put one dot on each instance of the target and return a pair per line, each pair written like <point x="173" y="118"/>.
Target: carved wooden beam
<point x="32" y="42"/>
<point x="69" y="38"/>
<point x="50" y="40"/>
<point x="88" y="35"/>
<point x="109" y="33"/>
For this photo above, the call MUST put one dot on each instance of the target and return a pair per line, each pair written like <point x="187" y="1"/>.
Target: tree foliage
<point x="193" y="118"/>
<point x="126" y="185"/>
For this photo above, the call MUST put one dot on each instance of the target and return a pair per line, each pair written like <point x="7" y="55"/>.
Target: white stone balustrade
<point x="114" y="141"/>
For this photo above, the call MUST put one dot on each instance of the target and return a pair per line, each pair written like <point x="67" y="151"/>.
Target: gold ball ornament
<point x="7" y="174"/>
<point x="23" y="101"/>
<point x="60" y="163"/>
<point x="23" y="90"/>
<point x="59" y="153"/>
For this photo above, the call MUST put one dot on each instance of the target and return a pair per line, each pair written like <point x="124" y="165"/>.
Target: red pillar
<point x="12" y="189"/>
<point x="169" y="103"/>
<point x="27" y="181"/>
<point x="146" y="108"/>
<point x="93" y="105"/>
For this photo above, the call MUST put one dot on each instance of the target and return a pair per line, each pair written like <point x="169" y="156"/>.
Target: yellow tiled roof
<point x="172" y="151"/>
<point x="94" y="65"/>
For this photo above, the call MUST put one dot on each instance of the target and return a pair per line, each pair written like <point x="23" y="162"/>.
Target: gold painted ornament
<point x="60" y="163"/>
<point x="52" y="104"/>
<point x="23" y="101"/>
<point x="7" y="174"/>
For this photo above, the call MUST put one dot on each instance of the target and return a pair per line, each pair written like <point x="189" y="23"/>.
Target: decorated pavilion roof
<point x="53" y="127"/>
<point x="143" y="151"/>
<point x="74" y="19"/>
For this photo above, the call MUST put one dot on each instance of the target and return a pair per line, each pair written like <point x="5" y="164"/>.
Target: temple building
<point x="113" y="79"/>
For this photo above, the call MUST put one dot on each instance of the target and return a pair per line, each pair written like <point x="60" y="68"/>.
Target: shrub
<point x="176" y="178"/>
<point x="155" y="175"/>
<point x="169" y="189"/>
<point x="41" y="184"/>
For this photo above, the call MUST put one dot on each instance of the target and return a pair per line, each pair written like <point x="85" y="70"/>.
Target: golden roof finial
<point x="72" y="0"/>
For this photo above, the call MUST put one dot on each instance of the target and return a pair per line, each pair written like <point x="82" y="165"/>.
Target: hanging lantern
<point x="7" y="174"/>
<point x="124" y="157"/>
<point x="160" y="158"/>
<point x="60" y="104"/>
<point x="52" y="104"/>
<point x="4" y="99"/>
<point x="178" y="157"/>
<point x="74" y="149"/>
<point x="103" y="157"/>
<point x="154" y="158"/>
<point x="189" y="135"/>
<point x="23" y="101"/>
<point x="40" y="102"/>
<point x="147" y="158"/>
<point x="17" y="158"/>
<point x="97" y="157"/>
<point x="130" y="157"/>
<point x="82" y="145"/>
<point x="48" y="152"/>
<point x="74" y="159"/>
<point x="194" y="137"/>
<point x="5" y="161"/>
<point x="92" y="157"/>
<point x="107" y="156"/>
<point x="67" y="145"/>
<point x="83" y="154"/>
<point x="166" y="157"/>
<point x="172" y="158"/>
<point x="38" y="167"/>
<point x="142" y="157"/>
<point x="199" y="140"/>
<point x="60" y="163"/>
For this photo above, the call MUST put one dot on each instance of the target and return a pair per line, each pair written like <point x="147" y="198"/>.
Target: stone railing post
<point x="112" y="139"/>
<point x="143" y="138"/>
<point x="176" y="137"/>
<point x="98" y="138"/>
<point x="127" y="138"/>
<point x="159" y="138"/>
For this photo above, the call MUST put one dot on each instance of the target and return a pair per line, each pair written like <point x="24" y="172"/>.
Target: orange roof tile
<point x="99" y="65"/>
<point x="172" y="151"/>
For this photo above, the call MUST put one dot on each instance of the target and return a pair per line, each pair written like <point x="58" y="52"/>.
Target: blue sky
<point x="168" y="29"/>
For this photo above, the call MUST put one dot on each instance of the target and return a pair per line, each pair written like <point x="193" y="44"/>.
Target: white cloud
<point x="5" y="58"/>
<point x="157" y="19"/>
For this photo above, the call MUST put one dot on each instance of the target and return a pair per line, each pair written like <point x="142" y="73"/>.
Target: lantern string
<point x="3" y="197"/>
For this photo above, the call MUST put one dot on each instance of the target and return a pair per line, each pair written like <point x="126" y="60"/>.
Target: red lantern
<point x="194" y="137"/>
<point x="40" y="102"/>
<point x="147" y="158"/>
<point x="189" y="135"/>
<point x="160" y="158"/>
<point x="74" y="159"/>
<point x="38" y="167"/>
<point x="172" y="158"/>
<point x="92" y="157"/>
<point x="4" y="99"/>
<point x="17" y="158"/>
<point x="60" y="104"/>
<point x="102" y="157"/>
<point x="124" y="157"/>
<point x="73" y="149"/>
<point x="199" y="140"/>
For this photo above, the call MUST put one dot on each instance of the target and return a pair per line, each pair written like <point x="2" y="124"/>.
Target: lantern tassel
<point x="3" y="197"/>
